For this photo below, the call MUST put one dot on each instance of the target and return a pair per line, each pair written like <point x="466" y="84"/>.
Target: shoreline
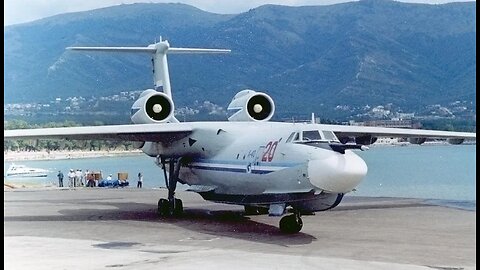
<point x="10" y="156"/>
<point x="13" y="156"/>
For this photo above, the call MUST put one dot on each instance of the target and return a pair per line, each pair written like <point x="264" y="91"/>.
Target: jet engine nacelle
<point x="251" y="106"/>
<point x="152" y="107"/>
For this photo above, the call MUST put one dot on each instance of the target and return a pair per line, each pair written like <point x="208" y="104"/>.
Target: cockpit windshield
<point x="311" y="135"/>
<point x="330" y="136"/>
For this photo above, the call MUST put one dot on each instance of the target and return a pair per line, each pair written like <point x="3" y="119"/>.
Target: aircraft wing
<point x="167" y="132"/>
<point x="346" y="131"/>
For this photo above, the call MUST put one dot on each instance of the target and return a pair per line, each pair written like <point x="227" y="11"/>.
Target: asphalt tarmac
<point x="93" y="228"/>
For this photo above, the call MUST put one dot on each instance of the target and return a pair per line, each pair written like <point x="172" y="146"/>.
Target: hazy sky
<point x="18" y="11"/>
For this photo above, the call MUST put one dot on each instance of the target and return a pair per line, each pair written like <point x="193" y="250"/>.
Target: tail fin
<point x="159" y="50"/>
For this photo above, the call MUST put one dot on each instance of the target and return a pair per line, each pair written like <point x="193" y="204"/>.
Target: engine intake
<point x="251" y="106"/>
<point x="152" y="107"/>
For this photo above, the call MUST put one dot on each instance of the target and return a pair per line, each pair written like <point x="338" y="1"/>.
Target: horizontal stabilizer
<point x="149" y="49"/>
<point x="115" y="49"/>
<point x="197" y="50"/>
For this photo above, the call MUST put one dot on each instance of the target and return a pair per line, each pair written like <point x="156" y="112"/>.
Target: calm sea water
<point x="427" y="171"/>
<point x="441" y="172"/>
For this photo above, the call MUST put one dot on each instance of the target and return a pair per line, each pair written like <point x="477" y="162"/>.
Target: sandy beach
<point x="55" y="155"/>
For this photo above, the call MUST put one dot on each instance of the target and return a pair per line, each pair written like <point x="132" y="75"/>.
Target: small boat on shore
<point x="16" y="170"/>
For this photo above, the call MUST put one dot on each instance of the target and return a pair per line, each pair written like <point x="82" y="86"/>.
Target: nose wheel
<point x="291" y="224"/>
<point x="171" y="206"/>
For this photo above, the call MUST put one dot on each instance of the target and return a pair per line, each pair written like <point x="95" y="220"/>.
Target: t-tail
<point x="159" y="51"/>
<point x="154" y="105"/>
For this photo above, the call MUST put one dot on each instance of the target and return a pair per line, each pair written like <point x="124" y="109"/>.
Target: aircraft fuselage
<point x="259" y="163"/>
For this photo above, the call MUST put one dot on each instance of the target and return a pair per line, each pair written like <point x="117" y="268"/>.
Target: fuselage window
<point x="290" y="137"/>
<point x="311" y="135"/>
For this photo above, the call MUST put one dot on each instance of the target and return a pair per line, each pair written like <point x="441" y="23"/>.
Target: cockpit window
<point x="311" y="135"/>
<point x="290" y="137"/>
<point x="329" y="136"/>
<point x="297" y="136"/>
<point x="318" y="138"/>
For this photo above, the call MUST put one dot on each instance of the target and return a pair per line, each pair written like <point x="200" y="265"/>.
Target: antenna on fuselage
<point x="315" y="120"/>
<point x="159" y="50"/>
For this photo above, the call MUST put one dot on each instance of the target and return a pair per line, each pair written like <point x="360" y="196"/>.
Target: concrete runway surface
<point x="119" y="229"/>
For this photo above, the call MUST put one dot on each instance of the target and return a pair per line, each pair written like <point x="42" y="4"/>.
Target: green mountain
<point x="309" y="59"/>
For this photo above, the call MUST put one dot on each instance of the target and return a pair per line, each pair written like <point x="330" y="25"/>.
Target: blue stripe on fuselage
<point x="232" y="166"/>
<point x="225" y="169"/>
<point x="245" y="163"/>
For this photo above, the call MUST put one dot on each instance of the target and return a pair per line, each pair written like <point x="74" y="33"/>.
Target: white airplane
<point x="268" y="167"/>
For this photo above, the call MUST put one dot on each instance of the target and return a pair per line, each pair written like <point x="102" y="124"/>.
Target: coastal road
<point x="119" y="229"/>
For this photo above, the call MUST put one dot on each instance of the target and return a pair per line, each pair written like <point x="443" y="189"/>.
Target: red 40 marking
<point x="269" y="151"/>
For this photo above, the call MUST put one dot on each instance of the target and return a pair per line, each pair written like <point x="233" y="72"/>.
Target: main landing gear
<point x="288" y="224"/>
<point x="171" y="206"/>
<point x="292" y="223"/>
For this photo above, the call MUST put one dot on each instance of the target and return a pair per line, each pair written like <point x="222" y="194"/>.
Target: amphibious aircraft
<point x="268" y="167"/>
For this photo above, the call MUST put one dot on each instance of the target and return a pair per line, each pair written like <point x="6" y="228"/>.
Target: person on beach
<point x="140" y="180"/>
<point x="78" y="175"/>
<point x="89" y="178"/>
<point x="111" y="182"/>
<point x="60" y="179"/>
<point x="71" y="178"/>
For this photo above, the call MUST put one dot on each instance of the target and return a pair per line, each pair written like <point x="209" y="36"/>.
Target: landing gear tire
<point x="168" y="209"/>
<point x="291" y="224"/>
<point x="178" y="208"/>
<point x="163" y="208"/>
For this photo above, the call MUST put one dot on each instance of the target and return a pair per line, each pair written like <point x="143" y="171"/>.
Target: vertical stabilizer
<point x="161" y="77"/>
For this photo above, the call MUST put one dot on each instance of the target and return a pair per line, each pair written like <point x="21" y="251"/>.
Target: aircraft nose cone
<point x="339" y="173"/>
